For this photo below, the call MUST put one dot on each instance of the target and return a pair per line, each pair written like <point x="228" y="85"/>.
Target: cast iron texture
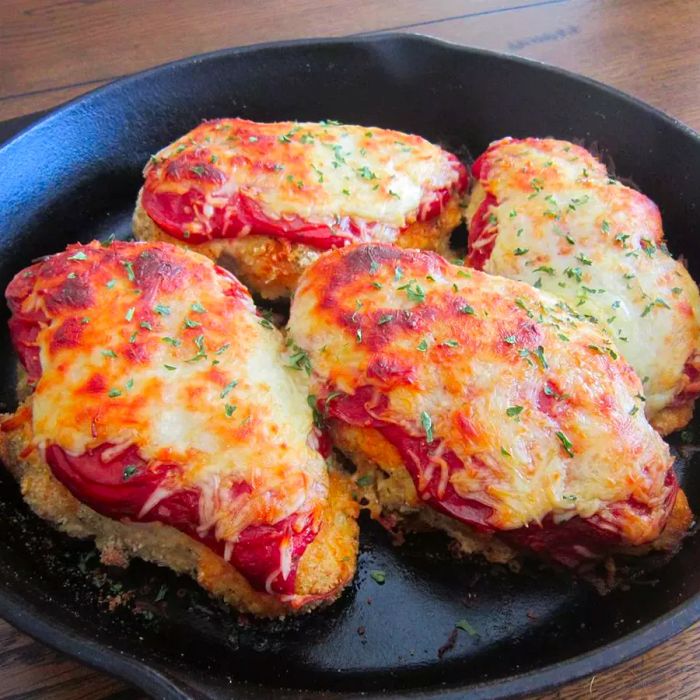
<point x="74" y="176"/>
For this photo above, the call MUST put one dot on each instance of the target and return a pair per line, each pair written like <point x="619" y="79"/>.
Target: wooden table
<point x="53" y="50"/>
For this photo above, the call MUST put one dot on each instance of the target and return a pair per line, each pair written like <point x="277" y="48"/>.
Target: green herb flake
<point x="513" y="411"/>
<point x="229" y="409"/>
<point x="510" y="339"/>
<point x="378" y="576"/>
<point x="365" y="173"/>
<point x="465" y="626"/>
<point x="198" y="308"/>
<point x="566" y="443"/>
<point x="170" y="368"/>
<point x="130" y="313"/>
<point x="450" y="343"/>
<point x="427" y="423"/>
<point x="189" y="323"/>
<point x="365" y="480"/>
<point x="539" y="354"/>
<point x="109" y="353"/>
<point x="387" y="318"/>
<point x="110" y="284"/>
<point x="520" y="251"/>
<point x="505" y="452"/>
<point x="78" y="256"/>
<point x="467" y="309"/>
<point x="128" y="266"/>
<point x="113" y="393"/>
<point x="129" y="471"/>
<point x="146" y="325"/>
<point x="422" y="346"/>
<point x="162" y="310"/>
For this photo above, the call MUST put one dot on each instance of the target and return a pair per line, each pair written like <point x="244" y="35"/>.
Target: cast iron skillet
<point x="74" y="176"/>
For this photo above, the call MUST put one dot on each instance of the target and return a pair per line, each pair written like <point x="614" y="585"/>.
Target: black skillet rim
<point x="145" y="676"/>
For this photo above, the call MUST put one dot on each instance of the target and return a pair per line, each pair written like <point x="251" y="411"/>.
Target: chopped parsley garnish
<point x="162" y="310"/>
<point x="513" y="411"/>
<point x="189" y="323"/>
<point x="72" y="275"/>
<point x="358" y="335"/>
<point x="450" y="343"/>
<point x="634" y="410"/>
<point x="573" y="273"/>
<point x="130" y="313"/>
<point x="171" y="341"/>
<point x="398" y="274"/>
<point x="223" y="348"/>
<point x="584" y="259"/>
<point x="387" y="318"/>
<point x="566" y="443"/>
<point x="113" y="393"/>
<point x="198" y="170"/>
<point x="539" y="354"/>
<point x="605" y="226"/>
<point x="373" y="267"/>
<point x="198" y="308"/>
<point x="427" y="423"/>
<point x="545" y="268"/>
<point x="510" y="339"/>
<point x="170" y="367"/>
<point x="299" y="360"/>
<point x="229" y="409"/>
<point x="227" y="389"/>
<point x="146" y="325"/>
<point x="569" y="239"/>
<point x="365" y="173"/>
<point x="505" y="452"/>
<point x="129" y="471"/>
<point x="520" y="251"/>
<point x="78" y="256"/>
<point x="676" y="291"/>
<point x="109" y="353"/>
<point x="111" y="284"/>
<point x="467" y="309"/>
<point x="128" y="266"/>
<point x="466" y="627"/>
<point x="377" y="285"/>
<point x="414" y="291"/>
<point x="378" y="577"/>
<point x="423" y="345"/>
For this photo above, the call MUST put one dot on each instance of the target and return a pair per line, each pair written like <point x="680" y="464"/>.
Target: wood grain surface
<point x="54" y="50"/>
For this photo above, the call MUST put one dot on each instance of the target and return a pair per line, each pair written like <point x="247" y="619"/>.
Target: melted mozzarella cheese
<point x="176" y="362"/>
<point x="320" y="172"/>
<point x="480" y="356"/>
<point x="563" y="225"/>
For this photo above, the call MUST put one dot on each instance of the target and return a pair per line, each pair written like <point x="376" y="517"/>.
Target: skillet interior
<point x="75" y="175"/>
